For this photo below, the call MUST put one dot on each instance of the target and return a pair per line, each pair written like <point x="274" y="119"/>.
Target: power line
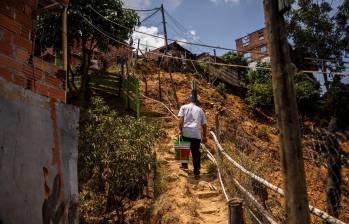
<point x="200" y="61"/>
<point x="141" y="10"/>
<point x="178" y="41"/>
<point x="150" y="16"/>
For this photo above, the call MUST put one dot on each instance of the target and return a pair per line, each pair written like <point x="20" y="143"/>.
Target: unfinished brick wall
<point x="16" y="46"/>
<point x="256" y="40"/>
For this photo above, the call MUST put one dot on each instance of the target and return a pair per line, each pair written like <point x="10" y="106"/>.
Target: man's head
<point x="191" y="99"/>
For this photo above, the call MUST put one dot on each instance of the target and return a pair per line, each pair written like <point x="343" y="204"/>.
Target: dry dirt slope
<point x="177" y="203"/>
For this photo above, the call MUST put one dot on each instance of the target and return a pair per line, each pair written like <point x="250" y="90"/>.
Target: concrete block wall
<point x="16" y="46"/>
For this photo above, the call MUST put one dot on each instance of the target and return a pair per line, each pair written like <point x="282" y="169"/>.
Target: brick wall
<point x="255" y="43"/>
<point x="16" y="27"/>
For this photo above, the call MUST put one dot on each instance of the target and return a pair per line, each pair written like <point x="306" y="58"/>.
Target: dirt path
<point x="184" y="199"/>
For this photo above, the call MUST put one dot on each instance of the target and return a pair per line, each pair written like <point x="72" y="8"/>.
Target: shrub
<point x="259" y="88"/>
<point x="115" y="155"/>
<point x="262" y="133"/>
<point x="260" y="95"/>
<point x="201" y="67"/>
<point x="307" y="94"/>
<point x="211" y="170"/>
<point x="221" y="88"/>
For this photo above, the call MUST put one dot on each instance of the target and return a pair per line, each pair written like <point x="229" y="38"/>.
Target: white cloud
<point x="172" y="4"/>
<point x="192" y="32"/>
<point x="146" y="41"/>
<point x="232" y="1"/>
<point x="137" y="4"/>
<point x="225" y="1"/>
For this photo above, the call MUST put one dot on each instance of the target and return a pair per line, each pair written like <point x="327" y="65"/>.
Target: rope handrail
<point x="248" y="194"/>
<point x="161" y="104"/>
<point x="318" y="212"/>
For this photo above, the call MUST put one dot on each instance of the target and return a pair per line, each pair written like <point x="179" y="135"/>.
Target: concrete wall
<point x="38" y="158"/>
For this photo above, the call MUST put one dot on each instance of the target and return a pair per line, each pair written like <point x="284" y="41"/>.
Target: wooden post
<point x="65" y="48"/>
<point x="297" y="209"/>
<point x="194" y="92"/>
<point x="235" y="211"/>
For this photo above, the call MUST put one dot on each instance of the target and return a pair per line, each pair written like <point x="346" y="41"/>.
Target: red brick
<point x="5" y="9"/>
<point x="23" y="43"/>
<point x="26" y="33"/>
<point x="28" y="11"/>
<point x="28" y="73"/>
<point x="22" y="55"/>
<point x="6" y="74"/>
<point x="6" y="48"/>
<point x="58" y="94"/>
<point x="9" y="24"/>
<point x="21" y="81"/>
<point x="52" y="80"/>
<point x="8" y="62"/>
<point x="6" y="36"/>
<point x="41" y="64"/>
<point x="41" y="89"/>
<point x="23" y="19"/>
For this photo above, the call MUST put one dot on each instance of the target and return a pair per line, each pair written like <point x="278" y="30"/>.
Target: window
<point x="260" y="35"/>
<point x="263" y="49"/>
<point x="245" y="41"/>
<point x="247" y="56"/>
<point x="346" y="54"/>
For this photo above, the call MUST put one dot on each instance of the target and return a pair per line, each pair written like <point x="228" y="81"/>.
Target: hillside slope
<point x="181" y="196"/>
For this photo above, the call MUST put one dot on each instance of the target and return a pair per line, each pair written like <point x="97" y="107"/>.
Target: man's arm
<point x="180" y="125"/>
<point x="204" y="134"/>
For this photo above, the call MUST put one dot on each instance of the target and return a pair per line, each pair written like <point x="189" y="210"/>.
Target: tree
<point x="260" y="91"/>
<point x="82" y="34"/>
<point x="231" y="57"/>
<point x="342" y="22"/>
<point x="315" y="34"/>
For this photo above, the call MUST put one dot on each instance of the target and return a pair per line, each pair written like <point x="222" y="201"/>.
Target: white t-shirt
<point x="193" y="119"/>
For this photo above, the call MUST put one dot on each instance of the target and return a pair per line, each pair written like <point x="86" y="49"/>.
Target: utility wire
<point x="150" y="16"/>
<point x="141" y="10"/>
<point x="200" y="61"/>
<point x="178" y="41"/>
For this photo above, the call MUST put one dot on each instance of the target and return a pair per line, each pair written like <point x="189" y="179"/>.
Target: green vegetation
<point x="81" y="35"/>
<point x="260" y="91"/>
<point x="259" y="88"/>
<point x="115" y="158"/>
<point x="221" y="88"/>
<point x="231" y="57"/>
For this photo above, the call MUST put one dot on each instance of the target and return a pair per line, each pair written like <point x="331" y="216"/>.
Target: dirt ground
<point x="186" y="200"/>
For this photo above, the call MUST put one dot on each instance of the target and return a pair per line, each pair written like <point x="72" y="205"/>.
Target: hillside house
<point x="254" y="46"/>
<point x="175" y="50"/>
<point x="222" y="73"/>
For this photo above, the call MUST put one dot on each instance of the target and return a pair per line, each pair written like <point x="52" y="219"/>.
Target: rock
<point x="172" y="177"/>
<point x="207" y="194"/>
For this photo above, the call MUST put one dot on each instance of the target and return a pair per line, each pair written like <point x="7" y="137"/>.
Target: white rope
<point x="161" y="104"/>
<point x="319" y="213"/>
<point x="211" y="157"/>
<point x="257" y="204"/>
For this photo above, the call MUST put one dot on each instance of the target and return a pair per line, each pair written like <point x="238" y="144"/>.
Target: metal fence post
<point x="235" y="211"/>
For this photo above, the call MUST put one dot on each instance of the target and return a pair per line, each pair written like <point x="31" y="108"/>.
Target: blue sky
<point x="216" y="22"/>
